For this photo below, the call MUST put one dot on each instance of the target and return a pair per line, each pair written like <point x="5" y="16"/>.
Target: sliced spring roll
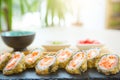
<point x="92" y="57"/>
<point x="78" y="63"/>
<point x="108" y="64"/>
<point x="47" y="65"/>
<point x="64" y="56"/>
<point x="4" y="58"/>
<point x="32" y="58"/>
<point x="15" y="65"/>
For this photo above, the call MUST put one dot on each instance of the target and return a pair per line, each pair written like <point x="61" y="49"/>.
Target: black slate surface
<point x="61" y="74"/>
<point x="93" y="74"/>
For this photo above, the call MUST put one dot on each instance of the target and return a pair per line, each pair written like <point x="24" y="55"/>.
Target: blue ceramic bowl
<point x="18" y="40"/>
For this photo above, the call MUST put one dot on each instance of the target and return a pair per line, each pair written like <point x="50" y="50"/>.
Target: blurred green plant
<point x="55" y="7"/>
<point x="25" y="6"/>
<point x="0" y="17"/>
<point x="115" y="23"/>
<point x="116" y="8"/>
<point x="6" y="11"/>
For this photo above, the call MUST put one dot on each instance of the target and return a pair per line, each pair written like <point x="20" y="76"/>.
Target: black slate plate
<point x="93" y="74"/>
<point x="59" y="75"/>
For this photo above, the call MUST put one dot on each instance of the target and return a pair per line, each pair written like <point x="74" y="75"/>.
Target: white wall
<point x="93" y="13"/>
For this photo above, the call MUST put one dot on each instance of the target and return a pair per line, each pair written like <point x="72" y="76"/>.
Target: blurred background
<point x="39" y="14"/>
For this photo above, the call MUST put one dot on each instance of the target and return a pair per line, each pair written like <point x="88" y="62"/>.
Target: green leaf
<point x="56" y="7"/>
<point x="10" y="14"/>
<point x="22" y="7"/>
<point x="34" y="6"/>
<point x="0" y="15"/>
<point x="27" y="5"/>
<point x="46" y="19"/>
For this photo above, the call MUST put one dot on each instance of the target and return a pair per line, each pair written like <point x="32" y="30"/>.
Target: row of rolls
<point x="74" y="62"/>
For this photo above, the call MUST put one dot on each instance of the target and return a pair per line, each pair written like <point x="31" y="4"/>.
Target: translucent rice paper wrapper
<point x="110" y="70"/>
<point x="18" y="59"/>
<point x="79" y="63"/>
<point x="92" y="56"/>
<point x="46" y="67"/>
<point x="64" y="56"/>
<point x="32" y="58"/>
<point x="4" y="58"/>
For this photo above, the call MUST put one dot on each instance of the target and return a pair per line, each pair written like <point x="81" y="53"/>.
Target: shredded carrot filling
<point x="107" y="63"/>
<point x="31" y="58"/>
<point x="46" y="61"/>
<point x="68" y="53"/>
<point x="64" y="53"/>
<point x="82" y="54"/>
<point x="77" y="56"/>
<point x="72" y="64"/>
<point x="17" y="56"/>
<point x="34" y="54"/>
<point x="10" y="65"/>
<point x="89" y="54"/>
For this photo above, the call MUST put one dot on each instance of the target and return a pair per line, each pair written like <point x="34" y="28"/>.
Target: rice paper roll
<point x="32" y="58"/>
<point x="92" y="56"/>
<point x="46" y="65"/>
<point x="78" y="63"/>
<point x="4" y="58"/>
<point x="108" y="64"/>
<point x="64" y="56"/>
<point x="16" y="64"/>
